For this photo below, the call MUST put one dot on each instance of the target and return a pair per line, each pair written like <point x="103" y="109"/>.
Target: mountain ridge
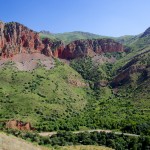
<point x="16" y="38"/>
<point x="88" y="83"/>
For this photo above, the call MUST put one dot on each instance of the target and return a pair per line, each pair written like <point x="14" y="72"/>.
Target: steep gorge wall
<point x="90" y="47"/>
<point x="16" y="38"/>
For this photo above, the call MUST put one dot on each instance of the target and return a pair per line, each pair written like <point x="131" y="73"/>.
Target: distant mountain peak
<point x="46" y="32"/>
<point x="146" y="33"/>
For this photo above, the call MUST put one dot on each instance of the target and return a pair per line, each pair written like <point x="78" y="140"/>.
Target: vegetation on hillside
<point x="52" y="100"/>
<point x="71" y="36"/>
<point x="63" y="138"/>
<point x="41" y="97"/>
<point x="82" y="96"/>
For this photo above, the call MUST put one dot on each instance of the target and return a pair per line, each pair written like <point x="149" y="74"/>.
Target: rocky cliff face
<point x="16" y="38"/>
<point x="82" y="48"/>
<point x="52" y="48"/>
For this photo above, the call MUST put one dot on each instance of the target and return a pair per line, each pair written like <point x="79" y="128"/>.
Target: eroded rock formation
<point x="52" y="48"/>
<point x="16" y="38"/>
<point x="82" y="48"/>
<point x="15" y="124"/>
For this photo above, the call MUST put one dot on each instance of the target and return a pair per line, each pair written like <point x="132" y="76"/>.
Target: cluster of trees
<point x="92" y="72"/>
<point x="88" y="70"/>
<point x="117" y="55"/>
<point x="94" y="119"/>
<point x="62" y="138"/>
<point x="137" y="128"/>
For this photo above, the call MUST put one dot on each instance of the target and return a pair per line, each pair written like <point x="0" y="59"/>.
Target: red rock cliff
<point x="82" y="48"/>
<point x="16" y="38"/>
<point x="53" y="48"/>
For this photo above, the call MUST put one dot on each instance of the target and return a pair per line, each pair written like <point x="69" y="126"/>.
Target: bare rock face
<point x="16" y="38"/>
<point x="47" y="49"/>
<point x="52" y="48"/>
<point x="15" y="124"/>
<point x="2" y="38"/>
<point x="82" y="48"/>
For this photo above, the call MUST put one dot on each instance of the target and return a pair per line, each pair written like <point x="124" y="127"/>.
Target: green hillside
<point x="41" y="95"/>
<point x="68" y="37"/>
<point x="26" y="145"/>
<point x="84" y="95"/>
<point x="123" y="104"/>
<point x="127" y="39"/>
<point x="60" y="99"/>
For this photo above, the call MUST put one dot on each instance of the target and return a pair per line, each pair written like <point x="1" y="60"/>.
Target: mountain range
<point x="74" y="80"/>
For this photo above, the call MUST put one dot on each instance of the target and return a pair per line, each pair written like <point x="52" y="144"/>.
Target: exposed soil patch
<point x="28" y="62"/>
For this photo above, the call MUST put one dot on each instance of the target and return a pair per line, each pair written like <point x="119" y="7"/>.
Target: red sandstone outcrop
<point x="52" y="48"/>
<point x="15" y="124"/>
<point x="16" y="38"/>
<point x="82" y="48"/>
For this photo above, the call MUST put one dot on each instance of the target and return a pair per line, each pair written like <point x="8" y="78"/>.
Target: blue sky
<point x="104" y="17"/>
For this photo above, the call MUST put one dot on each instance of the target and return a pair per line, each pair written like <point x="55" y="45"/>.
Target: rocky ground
<point x="28" y="62"/>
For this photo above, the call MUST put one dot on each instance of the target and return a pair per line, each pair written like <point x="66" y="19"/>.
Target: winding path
<point x="98" y="130"/>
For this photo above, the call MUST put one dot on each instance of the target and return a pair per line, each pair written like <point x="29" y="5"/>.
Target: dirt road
<point x="98" y="130"/>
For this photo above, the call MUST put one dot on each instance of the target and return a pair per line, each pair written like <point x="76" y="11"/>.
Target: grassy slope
<point x="140" y="50"/>
<point x="51" y="36"/>
<point x="71" y="36"/>
<point x="140" y="83"/>
<point x="23" y="145"/>
<point x="46" y="96"/>
<point x="82" y="147"/>
<point x="137" y="46"/>
<point x="131" y="103"/>
<point x="127" y="39"/>
<point x="47" y="99"/>
<point x="132" y="100"/>
<point x="68" y="37"/>
<point x="41" y="94"/>
<point x="15" y="143"/>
